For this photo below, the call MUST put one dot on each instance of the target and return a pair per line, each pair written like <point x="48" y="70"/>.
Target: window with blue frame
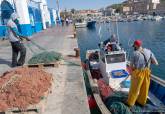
<point x="35" y="16"/>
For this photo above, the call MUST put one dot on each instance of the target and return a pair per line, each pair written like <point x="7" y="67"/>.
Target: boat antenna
<point x="100" y="36"/>
<point x="117" y="30"/>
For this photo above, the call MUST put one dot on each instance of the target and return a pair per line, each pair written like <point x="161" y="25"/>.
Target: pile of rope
<point x="45" y="57"/>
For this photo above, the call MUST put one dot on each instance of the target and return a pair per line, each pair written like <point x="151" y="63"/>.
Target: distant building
<point x="126" y="7"/>
<point x="109" y="11"/>
<point x="94" y="13"/>
<point x="158" y="8"/>
<point x="140" y="6"/>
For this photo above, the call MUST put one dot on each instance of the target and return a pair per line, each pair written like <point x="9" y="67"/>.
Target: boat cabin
<point x="112" y="61"/>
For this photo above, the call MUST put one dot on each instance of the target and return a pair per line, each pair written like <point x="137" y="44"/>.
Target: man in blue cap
<point x="15" y="38"/>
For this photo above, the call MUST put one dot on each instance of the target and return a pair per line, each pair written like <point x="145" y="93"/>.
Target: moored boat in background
<point x="91" y="24"/>
<point x="157" y="18"/>
<point x="81" y="24"/>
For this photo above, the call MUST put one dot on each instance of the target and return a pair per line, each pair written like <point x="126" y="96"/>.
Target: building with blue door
<point x="53" y="16"/>
<point x="34" y="16"/>
<point x="2" y="23"/>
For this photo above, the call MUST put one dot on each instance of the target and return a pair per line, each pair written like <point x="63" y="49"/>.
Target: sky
<point x="82" y="4"/>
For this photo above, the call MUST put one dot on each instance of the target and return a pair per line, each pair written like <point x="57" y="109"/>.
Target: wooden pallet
<point x="43" y="65"/>
<point x="33" y="109"/>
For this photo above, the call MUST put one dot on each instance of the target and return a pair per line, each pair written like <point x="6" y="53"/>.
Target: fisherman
<point x="112" y="39"/>
<point x="140" y="80"/>
<point x="15" y="38"/>
<point x="112" y="43"/>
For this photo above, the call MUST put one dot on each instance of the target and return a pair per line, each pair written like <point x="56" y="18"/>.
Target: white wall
<point x="22" y="11"/>
<point x="44" y="1"/>
<point x="44" y="13"/>
<point x="47" y="14"/>
<point x="54" y="15"/>
<point x="156" y="1"/>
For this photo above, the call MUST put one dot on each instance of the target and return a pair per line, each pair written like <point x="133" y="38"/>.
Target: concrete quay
<point x="68" y="93"/>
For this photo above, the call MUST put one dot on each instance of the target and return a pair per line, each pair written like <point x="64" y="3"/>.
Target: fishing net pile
<point x="45" y="57"/>
<point x="115" y="101"/>
<point x="116" y="104"/>
<point x="23" y="87"/>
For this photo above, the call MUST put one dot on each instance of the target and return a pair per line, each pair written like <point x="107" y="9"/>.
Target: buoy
<point x="84" y="65"/>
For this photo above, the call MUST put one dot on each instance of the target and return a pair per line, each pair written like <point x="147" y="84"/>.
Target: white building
<point x="143" y="6"/>
<point x="34" y="16"/>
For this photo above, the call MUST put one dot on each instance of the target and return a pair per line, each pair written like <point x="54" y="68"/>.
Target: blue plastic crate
<point x="122" y="72"/>
<point x="126" y="84"/>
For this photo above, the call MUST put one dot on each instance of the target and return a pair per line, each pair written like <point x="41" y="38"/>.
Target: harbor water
<point x="152" y="34"/>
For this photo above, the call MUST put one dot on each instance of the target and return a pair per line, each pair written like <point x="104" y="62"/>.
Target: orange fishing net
<point x="23" y="87"/>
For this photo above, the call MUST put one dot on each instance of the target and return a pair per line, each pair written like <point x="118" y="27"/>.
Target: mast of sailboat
<point x="58" y="6"/>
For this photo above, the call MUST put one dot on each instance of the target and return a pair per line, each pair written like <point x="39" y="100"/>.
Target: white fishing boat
<point x="157" y="18"/>
<point x="81" y="24"/>
<point x="113" y="69"/>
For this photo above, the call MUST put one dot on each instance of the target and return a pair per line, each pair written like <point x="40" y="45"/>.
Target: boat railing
<point x="158" y="80"/>
<point x="96" y="94"/>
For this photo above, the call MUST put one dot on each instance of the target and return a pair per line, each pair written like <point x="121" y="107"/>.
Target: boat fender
<point x="91" y="102"/>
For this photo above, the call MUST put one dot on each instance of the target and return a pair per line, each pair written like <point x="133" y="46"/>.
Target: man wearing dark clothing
<point x="18" y="47"/>
<point x="111" y="43"/>
<point x="112" y="39"/>
<point x="15" y="38"/>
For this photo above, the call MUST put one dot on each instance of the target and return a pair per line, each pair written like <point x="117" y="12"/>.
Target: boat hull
<point x="80" y="25"/>
<point x="91" y="24"/>
<point x="156" y="94"/>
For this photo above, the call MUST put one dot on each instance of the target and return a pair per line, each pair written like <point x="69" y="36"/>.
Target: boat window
<point x="117" y="58"/>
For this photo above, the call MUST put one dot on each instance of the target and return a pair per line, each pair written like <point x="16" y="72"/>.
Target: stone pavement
<point x="68" y="93"/>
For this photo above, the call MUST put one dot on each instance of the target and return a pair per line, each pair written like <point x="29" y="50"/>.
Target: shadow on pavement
<point x="3" y="61"/>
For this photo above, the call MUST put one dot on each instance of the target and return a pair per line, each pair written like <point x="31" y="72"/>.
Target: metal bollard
<point x="77" y="50"/>
<point x="74" y="34"/>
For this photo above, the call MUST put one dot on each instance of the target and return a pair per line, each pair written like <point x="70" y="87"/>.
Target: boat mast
<point x="117" y="30"/>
